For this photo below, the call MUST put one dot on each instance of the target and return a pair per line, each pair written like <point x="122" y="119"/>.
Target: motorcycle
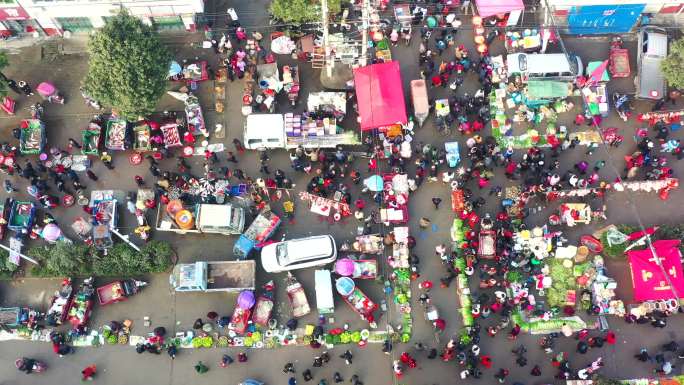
<point x="30" y="365"/>
<point x="623" y="105"/>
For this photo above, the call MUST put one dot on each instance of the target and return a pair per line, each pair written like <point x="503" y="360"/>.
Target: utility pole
<point x="364" y="33"/>
<point x="329" y="62"/>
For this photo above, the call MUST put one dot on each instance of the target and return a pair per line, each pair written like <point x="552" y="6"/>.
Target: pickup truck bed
<point x="231" y="274"/>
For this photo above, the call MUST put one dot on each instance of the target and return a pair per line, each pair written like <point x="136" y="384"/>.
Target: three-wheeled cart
<point x="115" y="135"/>
<point x="361" y="304"/>
<point x="81" y="305"/>
<point x="118" y="291"/>
<point x="32" y="137"/>
<point x="57" y="312"/>
<point x="453" y="156"/>
<point x="5" y="207"/>
<point x="263" y="226"/>
<point x="297" y="297"/>
<point x="141" y="137"/>
<point x="263" y="307"/>
<point x="291" y="82"/>
<point x="195" y="118"/>
<point x="92" y="139"/>
<point x="14" y="317"/>
<point x="419" y="98"/>
<point x="618" y="64"/>
<point x="21" y="216"/>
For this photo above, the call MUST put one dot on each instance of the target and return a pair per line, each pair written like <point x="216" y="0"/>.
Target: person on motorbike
<point x="27" y="365"/>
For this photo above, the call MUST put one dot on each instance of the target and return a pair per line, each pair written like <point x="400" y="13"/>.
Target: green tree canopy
<point x="673" y="65"/>
<point x="128" y="66"/>
<point x="302" y="11"/>
<point x="4" y="62"/>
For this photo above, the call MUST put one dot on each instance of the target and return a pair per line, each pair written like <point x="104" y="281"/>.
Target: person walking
<point x="347" y="355"/>
<point x="88" y="373"/>
<point x="91" y="175"/>
<point x="107" y="160"/>
<point x="139" y="180"/>
<point x="25" y="88"/>
<point x="238" y="146"/>
<point x="200" y="368"/>
<point x="74" y="144"/>
<point x="436" y="201"/>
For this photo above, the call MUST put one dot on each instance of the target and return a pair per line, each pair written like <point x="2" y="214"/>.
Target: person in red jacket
<point x="486" y="361"/>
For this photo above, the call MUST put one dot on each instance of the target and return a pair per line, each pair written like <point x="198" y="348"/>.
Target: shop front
<point x="14" y="20"/>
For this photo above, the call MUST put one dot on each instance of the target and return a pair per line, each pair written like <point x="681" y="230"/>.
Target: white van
<point x="264" y="131"/>
<point x="548" y="66"/>
<point x="298" y="253"/>
<point x="650" y="81"/>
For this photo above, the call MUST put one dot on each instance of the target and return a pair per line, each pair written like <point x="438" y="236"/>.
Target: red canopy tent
<point x="648" y="279"/>
<point x="486" y="8"/>
<point x="380" y="95"/>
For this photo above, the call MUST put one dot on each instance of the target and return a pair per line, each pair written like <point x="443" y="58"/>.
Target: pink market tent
<point x="648" y="280"/>
<point x="380" y="95"/>
<point x="486" y="8"/>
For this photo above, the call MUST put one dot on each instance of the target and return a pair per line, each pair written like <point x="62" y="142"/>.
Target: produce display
<point x="32" y="139"/>
<point x="91" y="137"/>
<point x="116" y="134"/>
<point x="193" y="111"/>
<point x="171" y="135"/>
<point x="142" y="137"/>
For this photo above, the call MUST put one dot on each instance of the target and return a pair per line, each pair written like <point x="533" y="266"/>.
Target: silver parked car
<point x="652" y="50"/>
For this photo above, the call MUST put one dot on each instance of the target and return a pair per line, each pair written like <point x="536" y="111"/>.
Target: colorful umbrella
<point x="51" y="232"/>
<point x="46" y="89"/>
<point x="597" y="74"/>
<point x="344" y="267"/>
<point x="246" y="299"/>
<point x="345" y="285"/>
<point x="174" y="69"/>
<point x="374" y="183"/>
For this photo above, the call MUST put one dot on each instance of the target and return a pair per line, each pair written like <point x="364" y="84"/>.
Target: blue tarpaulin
<point x="603" y="19"/>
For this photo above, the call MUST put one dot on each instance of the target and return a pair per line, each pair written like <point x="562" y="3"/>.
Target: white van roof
<point x="657" y="42"/>
<point x="324" y="290"/>
<point x="535" y="63"/>
<point x="215" y="215"/>
<point x="304" y="249"/>
<point x="265" y="126"/>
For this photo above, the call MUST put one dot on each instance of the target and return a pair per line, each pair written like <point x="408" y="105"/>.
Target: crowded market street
<point x="449" y="266"/>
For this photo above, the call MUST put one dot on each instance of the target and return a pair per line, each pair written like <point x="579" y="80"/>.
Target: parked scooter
<point x="29" y="365"/>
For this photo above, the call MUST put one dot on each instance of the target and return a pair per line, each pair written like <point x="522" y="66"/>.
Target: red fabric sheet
<point x="648" y="280"/>
<point x="380" y="95"/>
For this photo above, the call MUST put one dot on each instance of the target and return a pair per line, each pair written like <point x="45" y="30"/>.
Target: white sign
<point x="15" y="250"/>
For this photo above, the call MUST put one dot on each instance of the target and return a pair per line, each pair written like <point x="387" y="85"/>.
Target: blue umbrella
<point x="374" y="183"/>
<point x="174" y="69"/>
<point x="251" y="381"/>
<point x="345" y="285"/>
